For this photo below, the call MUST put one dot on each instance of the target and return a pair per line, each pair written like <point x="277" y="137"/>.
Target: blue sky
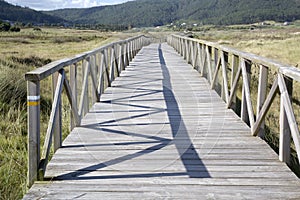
<point x="57" y="4"/>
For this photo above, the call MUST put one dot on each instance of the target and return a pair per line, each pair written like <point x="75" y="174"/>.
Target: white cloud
<point x="58" y="4"/>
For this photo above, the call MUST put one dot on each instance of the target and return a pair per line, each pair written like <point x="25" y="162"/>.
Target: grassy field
<point x="24" y="51"/>
<point x="20" y="53"/>
<point x="274" y="41"/>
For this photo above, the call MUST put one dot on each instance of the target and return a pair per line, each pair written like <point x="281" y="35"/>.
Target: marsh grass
<point x="20" y="53"/>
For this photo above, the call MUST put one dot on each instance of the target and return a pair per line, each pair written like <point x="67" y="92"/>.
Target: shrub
<point x="37" y="29"/>
<point x="14" y="29"/>
<point x="4" y="26"/>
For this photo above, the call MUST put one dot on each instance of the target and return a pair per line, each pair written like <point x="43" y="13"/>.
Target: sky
<point x="58" y="4"/>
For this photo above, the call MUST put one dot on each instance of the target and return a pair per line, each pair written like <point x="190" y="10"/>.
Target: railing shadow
<point x="181" y="138"/>
<point x="193" y="165"/>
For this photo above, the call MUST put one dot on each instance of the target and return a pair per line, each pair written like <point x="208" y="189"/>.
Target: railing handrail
<point x="209" y="58"/>
<point x="287" y="70"/>
<point x="45" y="71"/>
<point x="99" y="68"/>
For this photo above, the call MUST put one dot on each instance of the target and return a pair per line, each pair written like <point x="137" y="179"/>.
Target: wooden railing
<point x="99" y="68"/>
<point x="217" y="62"/>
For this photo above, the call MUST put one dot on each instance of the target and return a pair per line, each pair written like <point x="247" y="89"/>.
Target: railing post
<point x="244" y="109"/>
<point x="285" y="132"/>
<point x="262" y="92"/>
<point x="209" y="63"/>
<point x="73" y="84"/>
<point x="93" y="73"/>
<point x="112" y="65"/>
<point x="121" y="58"/>
<point x="234" y="70"/>
<point x="33" y="108"/>
<point x="57" y="134"/>
<point x="126" y="60"/>
<point x="102" y="70"/>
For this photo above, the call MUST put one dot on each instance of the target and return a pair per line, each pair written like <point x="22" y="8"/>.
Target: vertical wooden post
<point x="262" y="92"/>
<point x="102" y="70"/>
<point x="73" y="84"/>
<point x="94" y="91"/>
<point x="285" y="132"/>
<point x="225" y="90"/>
<point x="199" y="57"/>
<point x="112" y="65"/>
<point x="244" y="109"/>
<point x="86" y="94"/>
<point x="33" y="109"/>
<point x="182" y="45"/>
<point x="126" y="60"/>
<point x="121" y="58"/>
<point x="131" y="50"/>
<point x="57" y="132"/>
<point x="234" y="69"/>
<point x="106" y="68"/>
<point x="216" y="58"/>
<point x="209" y="63"/>
<point x="194" y="55"/>
<point x="203" y="59"/>
<point x="188" y="52"/>
<point x="185" y="49"/>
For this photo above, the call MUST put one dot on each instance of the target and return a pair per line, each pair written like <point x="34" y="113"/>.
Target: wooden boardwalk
<point x="160" y="132"/>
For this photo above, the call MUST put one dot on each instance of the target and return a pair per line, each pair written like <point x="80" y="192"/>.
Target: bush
<point x="14" y="29"/>
<point x="37" y="29"/>
<point x="4" y="26"/>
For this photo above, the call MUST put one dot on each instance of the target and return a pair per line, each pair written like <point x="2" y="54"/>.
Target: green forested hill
<point x="160" y="12"/>
<point x="141" y="13"/>
<point x="25" y="15"/>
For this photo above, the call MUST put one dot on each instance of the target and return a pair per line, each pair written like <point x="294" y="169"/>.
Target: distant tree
<point x="4" y="26"/>
<point x="14" y="29"/>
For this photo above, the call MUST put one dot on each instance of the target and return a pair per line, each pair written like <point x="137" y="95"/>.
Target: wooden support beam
<point x="262" y="93"/>
<point x="288" y="123"/>
<point x="33" y="124"/>
<point x="51" y="125"/>
<point x="57" y="131"/>
<point x="73" y="88"/>
<point x="265" y="108"/>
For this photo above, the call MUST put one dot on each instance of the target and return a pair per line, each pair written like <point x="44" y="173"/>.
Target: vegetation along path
<point x="161" y="132"/>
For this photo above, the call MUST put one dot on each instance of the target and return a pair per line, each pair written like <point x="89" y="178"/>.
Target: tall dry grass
<point x="20" y="53"/>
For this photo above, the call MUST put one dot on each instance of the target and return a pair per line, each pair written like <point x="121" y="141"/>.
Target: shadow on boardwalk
<point x="188" y="155"/>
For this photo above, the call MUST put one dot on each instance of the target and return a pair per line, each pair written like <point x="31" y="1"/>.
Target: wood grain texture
<point x="160" y="132"/>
